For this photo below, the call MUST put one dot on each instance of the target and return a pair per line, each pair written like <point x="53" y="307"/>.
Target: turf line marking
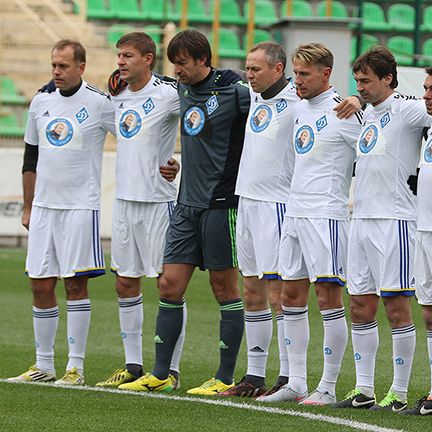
<point x="243" y="405"/>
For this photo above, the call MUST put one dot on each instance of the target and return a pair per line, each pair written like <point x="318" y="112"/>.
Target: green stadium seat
<point x="97" y="9"/>
<point x="154" y="32"/>
<point x="402" y="48"/>
<point x="401" y="17"/>
<point x="155" y="10"/>
<point x="374" y="18"/>
<point x="126" y="10"/>
<point x="115" y="32"/>
<point x="9" y="125"/>
<point x="338" y="9"/>
<point x="265" y="12"/>
<point x="9" y="93"/>
<point x="300" y="8"/>
<point x="229" y="44"/>
<point x="230" y="12"/>
<point x="196" y="12"/>
<point x="367" y="41"/>
<point x="427" y="52"/>
<point x="427" y="20"/>
<point x="259" y="36"/>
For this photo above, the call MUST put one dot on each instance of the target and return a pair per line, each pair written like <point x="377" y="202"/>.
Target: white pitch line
<point x="244" y="406"/>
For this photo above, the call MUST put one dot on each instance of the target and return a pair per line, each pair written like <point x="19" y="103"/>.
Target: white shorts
<point x="138" y="237"/>
<point x="259" y="225"/>
<point x="380" y="257"/>
<point x="314" y="249"/>
<point x="423" y="267"/>
<point x="64" y="243"/>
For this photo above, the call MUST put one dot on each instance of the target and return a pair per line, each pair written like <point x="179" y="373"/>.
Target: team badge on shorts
<point x="427" y="155"/>
<point x="59" y="132"/>
<point x="193" y="120"/>
<point x="130" y="123"/>
<point x="261" y="118"/>
<point x="368" y="139"/>
<point x="304" y="139"/>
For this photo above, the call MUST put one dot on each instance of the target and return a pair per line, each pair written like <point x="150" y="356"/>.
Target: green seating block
<point x="427" y="20"/>
<point x="98" y="9"/>
<point x="374" y="18"/>
<point x="9" y="93"/>
<point x="401" y="17"/>
<point x="300" y="8"/>
<point x="9" y="125"/>
<point x="126" y="10"/>
<point x="229" y="44"/>
<point x="338" y="9"/>
<point x="367" y="41"/>
<point x="402" y="48"/>
<point x="265" y="12"/>
<point x="196" y="12"/>
<point x="115" y="32"/>
<point x="229" y="12"/>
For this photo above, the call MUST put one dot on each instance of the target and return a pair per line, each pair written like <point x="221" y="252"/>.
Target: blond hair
<point x="313" y="53"/>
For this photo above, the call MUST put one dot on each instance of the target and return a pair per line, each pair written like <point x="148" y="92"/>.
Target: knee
<point x="427" y="315"/>
<point x="255" y="299"/>
<point x="127" y="287"/>
<point x="398" y="315"/>
<point x="360" y="310"/>
<point x="76" y="291"/>
<point x="275" y="300"/>
<point x="224" y="288"/>
<point x="168" y="288"/>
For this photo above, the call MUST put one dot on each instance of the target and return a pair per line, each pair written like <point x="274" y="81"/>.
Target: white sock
<point x="297" y="339"/>
<point x="334" y="345"/>
<point x="283" y="354"/>
<point x="131" y="316"/>
<point x="259" y="328"/>
<point x="429" y="345"/>
<point x="78" y="323"/>
<point x="45" y="322"/>
<point x="404" y="340"/>
<point x="178" y="349"/>
<point x="365" y="342"/>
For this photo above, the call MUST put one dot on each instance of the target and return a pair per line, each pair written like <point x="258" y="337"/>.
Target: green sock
<point x="231" y="333"/>
<point x="168" y="327"/>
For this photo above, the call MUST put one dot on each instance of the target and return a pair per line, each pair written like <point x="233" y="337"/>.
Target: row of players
<point x="281" y="152"/>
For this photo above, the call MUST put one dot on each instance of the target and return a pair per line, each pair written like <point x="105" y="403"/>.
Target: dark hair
<point x="140" y="41"/>
<point x="381" y="61"/>
<point x="190" y="42"/>
<point x="429" y="70"/>
<point x="273" y="51"/>
<point x="78" y="50"/>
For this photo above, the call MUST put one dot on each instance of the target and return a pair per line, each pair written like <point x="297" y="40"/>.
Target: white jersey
<point x="146" y="130"/>
<point x="387" y="154"/>
<point x="267" y="159"/>
<point x="70" y="132"/>
<point x="424" y="221"/>
<point x="324" y="157"/>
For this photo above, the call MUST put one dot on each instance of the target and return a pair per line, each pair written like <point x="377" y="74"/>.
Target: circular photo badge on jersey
<point x="428" y="151"/>
<point x="304" y="139"/>
<point x="130" y="123"/>
<point x="261" y="118"/>
<point x="59" y="132"/>
<point x="193" y="120"/>
<point x="368" y="139"/>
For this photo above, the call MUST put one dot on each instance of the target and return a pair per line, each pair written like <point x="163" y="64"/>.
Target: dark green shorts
<point x="202" y="237"/>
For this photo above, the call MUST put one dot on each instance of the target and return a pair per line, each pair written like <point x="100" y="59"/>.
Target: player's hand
<point x="25" y="218"/>
<point x="48" y="88"/>
<point x="115" y="83"/>
<point x="413" y="181"/>
<point x="347" y="107"/>
<point x="170" y="170"/>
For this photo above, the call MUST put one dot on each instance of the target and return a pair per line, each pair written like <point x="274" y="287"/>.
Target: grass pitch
<point x="42" y="407"/>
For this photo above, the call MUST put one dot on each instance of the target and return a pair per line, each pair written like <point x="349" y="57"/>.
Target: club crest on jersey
<point x="82" y="115"/>
<point x="148" y="106"/>
<point x="385" y="120"/>
<point x="428" y="151"/>
<point x="193" y="120"/>
<point x="368" y="139"/>
<point x="212" y="104"/>
<point x="281" y="105"/>
<point x="304" y="139"/>
<point x="130" y="123"/>
<point x="59" y="132"/>
<point x="321" y="123"/>
<point x="260" y="118"/>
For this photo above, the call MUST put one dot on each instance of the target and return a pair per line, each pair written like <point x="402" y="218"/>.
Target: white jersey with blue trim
<point x="324" y="156"/>
<point x="146" y="130"/>
<point x="70" y="132"/>
<point x="424" y="211"/>
<point x="267" y="159"/>
<point x="387" y="154"/>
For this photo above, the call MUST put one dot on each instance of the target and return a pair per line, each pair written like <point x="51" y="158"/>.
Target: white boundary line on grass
<point x="244" y="406"/>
